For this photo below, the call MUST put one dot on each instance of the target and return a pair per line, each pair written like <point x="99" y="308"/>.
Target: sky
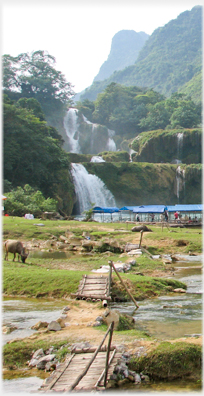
<point x="79" y="33"/>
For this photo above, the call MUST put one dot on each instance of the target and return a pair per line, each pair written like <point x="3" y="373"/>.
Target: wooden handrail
<point x="131" y="296"/>
<point x="110" y="329"/>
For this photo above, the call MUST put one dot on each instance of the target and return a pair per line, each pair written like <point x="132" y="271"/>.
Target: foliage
<point x="34" y="76"/>
<point x="89" y="213"/>
<point x="26" y="200"/>
<point x="33" y="153"/>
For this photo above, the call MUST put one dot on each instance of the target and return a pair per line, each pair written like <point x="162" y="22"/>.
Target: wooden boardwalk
<point x="64" y="377"/>
<point x="94" y="287"/>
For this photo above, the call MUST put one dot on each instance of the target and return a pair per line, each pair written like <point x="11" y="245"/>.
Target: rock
<point x="111" y="316"/>
<point x="137" y="378"/>
<point x="141" y="228"/>
<point x="63" y="238"/>
<point x="97" y="323"/>
<point x="135" y="252"/>
<point x="36" y="357"/>
<point x="39" y="325"/>
<point x="44" y="360"/>
<point x="66" y="309"/>
<point x="131" y="246"/>
<point x="179" y="290"/>
<point x="131" y="377"/>
<point x="51" y="366"/>
<point x="99" y="319"/>
<point x="61" y="322"/>
<point x="7" y="329"/>
<point x="132" y="262"/>
<point x="54" y="326"/>
<point x="144" y="378"/>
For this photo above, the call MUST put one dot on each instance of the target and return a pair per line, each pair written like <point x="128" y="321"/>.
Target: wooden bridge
<point x="93" y="370"/>
<point x="94" y="287"/>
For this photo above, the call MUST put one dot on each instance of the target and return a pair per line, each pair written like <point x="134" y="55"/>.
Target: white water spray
<point x="90" y="189"/>
<point x="71" y="128"/>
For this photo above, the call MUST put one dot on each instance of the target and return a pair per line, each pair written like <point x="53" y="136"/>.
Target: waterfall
<point x="179" y="145"/>
<point x="80" y="129"/>
<point x="90" y="189"/>
<point x="71" y="128"/>
<point x="180" y="181"/>
<point x="111" y="146"/>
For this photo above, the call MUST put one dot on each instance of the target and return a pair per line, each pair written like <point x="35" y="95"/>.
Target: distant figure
<point x="166" y="215"/>
<point x="137" y="217"/>
<point x="176" y="216"/>
<point x="152" y="216"/>
<point x="161" y="217"/>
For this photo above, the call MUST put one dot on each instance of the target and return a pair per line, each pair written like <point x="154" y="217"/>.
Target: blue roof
<point x="99" y="209"/>
<point x="150" y="209"/>
<point x="186" y="208"/>
<point x="131" y="208"/>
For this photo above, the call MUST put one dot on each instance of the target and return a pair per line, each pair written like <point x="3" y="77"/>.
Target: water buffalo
<point x="14" y="247"/>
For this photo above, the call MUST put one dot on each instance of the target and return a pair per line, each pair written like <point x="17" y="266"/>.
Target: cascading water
<point x="180" y="181"/>
<point x="111" y="146"/>
<point x="179" y="145"/>
<point x="71" y="128"/>
<point x="90" y="189"/>
<point x="79" y="130"/>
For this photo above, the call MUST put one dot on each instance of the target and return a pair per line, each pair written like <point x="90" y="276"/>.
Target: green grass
<point x="18" y="353"/>
<point x="170" y="361"/>
<point x="21" y="279"/>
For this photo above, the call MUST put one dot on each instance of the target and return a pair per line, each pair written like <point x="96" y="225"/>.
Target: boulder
<point x="7" y="329"/>
<point x="111" y="315"/>
<point x="39" y="325"/>
<point x="44" y="360"/>
<point x="141" y="228"/>
<point x="54" y="326"/>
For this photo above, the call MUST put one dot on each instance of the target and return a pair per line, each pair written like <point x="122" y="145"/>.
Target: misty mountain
<point x="125" y="48"/>
<point x="169" y="59"/>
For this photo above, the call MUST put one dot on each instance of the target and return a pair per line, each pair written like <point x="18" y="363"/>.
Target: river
<point x="165" y="317"/>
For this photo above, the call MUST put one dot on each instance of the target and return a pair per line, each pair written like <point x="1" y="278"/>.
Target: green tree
<point x="34" y="76"/>
<point x="26" y="200"/>
<point x="33" y="155"/>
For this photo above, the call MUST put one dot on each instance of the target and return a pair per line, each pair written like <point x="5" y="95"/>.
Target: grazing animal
<point x="15" y="247"/>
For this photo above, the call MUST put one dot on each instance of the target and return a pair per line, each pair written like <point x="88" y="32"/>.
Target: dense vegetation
<point x="26" y="200"/>
<point x="170" y="58"/>
<point x="131" y="110"/>
<point x="33" y="154"/>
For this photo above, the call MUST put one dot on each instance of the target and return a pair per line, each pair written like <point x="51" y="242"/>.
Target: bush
<point x="26" y="200"/>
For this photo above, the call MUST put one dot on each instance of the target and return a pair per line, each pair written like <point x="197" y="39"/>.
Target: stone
<point x="7" y="329"/>
<point x="61" y="322"/>
<point x="54" y="326"/>
<point x="39" y="325"/>
<point x="135" y="252"/>
<point x="179" y="290"/>
<point x="111" y="316"/>
<point x="44" y="360"/>
<point x="137" y="378"/>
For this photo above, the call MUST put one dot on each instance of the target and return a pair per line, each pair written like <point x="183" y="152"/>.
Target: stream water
<point x="165" y="317"/>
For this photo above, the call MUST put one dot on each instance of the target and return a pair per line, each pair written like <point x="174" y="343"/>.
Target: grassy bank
<point x="36" y="281"/>
<point x="170" y="361"/>
<point x="45" y="277"/>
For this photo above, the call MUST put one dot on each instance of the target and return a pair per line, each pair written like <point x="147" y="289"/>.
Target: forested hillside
<point x="170" y="58"/>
